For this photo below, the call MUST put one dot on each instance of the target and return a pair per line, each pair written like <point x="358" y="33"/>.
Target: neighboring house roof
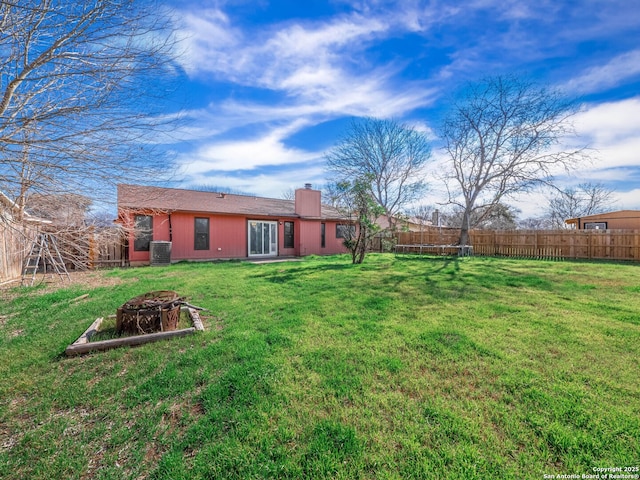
<point x="11" y="207"/>
<point x="618" y="215"/>
<point x="63" y="209"/>
<point x="411" y="224"/>
<point x="176" y="199"/>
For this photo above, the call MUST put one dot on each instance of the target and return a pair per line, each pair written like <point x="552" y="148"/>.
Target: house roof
<point x="618" y="214"/>
<point x="412" y="224"/>
<point x="13" y="208"/>
<point x="175" y="199"/>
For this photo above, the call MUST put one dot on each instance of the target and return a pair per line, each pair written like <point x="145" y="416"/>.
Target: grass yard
<point x="398" y="368"/>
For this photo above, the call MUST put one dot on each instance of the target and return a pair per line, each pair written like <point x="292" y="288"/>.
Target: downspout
<point x="170" y="229"/>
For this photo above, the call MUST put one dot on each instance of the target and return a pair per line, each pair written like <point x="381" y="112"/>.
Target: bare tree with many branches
<point x="494" y="217"/>
<point x="585" y="199"/>
<point x="502" y="138"/>
<point x="390" y="156"/>
<point x="81" y="88"/>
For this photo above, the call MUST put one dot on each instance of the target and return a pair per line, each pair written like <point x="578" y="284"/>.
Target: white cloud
<point x="270" y="184"/>
<point x="613" y="73"/>
<point x="606" y="175"/>
<point x="271" y="56"/>
<point x="302" y="42"/>
<point x="206" y="35"/>
<point x="513" y="9"/>
<point x="306" y="60"/>
<point x="317" y="66"/>
<point x="612" y="130"/>
<point x="369" y="97"/>
<point x="270" y="149"/>
<point x="629" y="200"/>
<point x="267" y="150"/>
<point x="424" y="127"/>
<point x="610" y="121"/>
<point x="531" y="205"/>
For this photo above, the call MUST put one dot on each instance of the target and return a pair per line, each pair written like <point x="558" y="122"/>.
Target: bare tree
<point x="535" y="223"/>
<point x="68" y="209"/>
<point x="390" y="155"/>
<point x="100" y="218"/>
<point x="205" y="187"/>
<point x="81" y="90"/>
<point x="492" y="217"/>
<point x="585" y="199"/>
<point x="333" y="194"/>
<point x="502" y="138"/>
<point x="424" y="216"/>
<point x="289" y="194"/>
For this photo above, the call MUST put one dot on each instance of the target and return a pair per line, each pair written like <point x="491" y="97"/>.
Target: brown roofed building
<point x="207" y="225"/>
<point x="620" y="219"/>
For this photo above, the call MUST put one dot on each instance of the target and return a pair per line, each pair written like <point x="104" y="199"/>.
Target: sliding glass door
<point x="263" y="238"/>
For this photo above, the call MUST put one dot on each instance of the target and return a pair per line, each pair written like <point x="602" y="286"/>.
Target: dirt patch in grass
<point x="52" y="283"/>
<point x="4" y="318"/>
<point x="211" y="321"/>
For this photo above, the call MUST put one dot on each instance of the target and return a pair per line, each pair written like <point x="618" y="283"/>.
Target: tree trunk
<point x="392" y="223"/>
<point x="464" y="235"/>
<point x="362" y="243"/>
<point x="464" y="228"/>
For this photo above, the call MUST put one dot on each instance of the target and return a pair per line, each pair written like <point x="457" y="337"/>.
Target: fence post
<point x="93" y="253"/>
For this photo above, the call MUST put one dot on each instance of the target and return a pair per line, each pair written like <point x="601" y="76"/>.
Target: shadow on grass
<point x="291" y="274"/>
<point x="446" y="278"/>
<point x="450" y="278"/>
<point x="452" y="343"/>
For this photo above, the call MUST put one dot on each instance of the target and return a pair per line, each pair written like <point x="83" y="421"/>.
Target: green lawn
<point x="398" y="368"/>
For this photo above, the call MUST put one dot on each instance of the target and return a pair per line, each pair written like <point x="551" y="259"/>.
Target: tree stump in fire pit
<point x="151" y="312"/>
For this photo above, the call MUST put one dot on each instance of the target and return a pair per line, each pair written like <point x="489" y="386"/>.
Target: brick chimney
<point x="308" y="201"/>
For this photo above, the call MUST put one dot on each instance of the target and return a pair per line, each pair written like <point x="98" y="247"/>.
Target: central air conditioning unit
<point x="159" y="253"/>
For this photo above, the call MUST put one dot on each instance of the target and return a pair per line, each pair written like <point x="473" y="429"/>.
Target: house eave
<point x="132" y="209"/>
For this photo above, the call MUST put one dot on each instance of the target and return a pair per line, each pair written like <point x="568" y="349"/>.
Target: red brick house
<point x="209" y="226"/>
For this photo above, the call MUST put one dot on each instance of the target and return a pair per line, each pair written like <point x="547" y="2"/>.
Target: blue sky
<point x="270" y="85"/>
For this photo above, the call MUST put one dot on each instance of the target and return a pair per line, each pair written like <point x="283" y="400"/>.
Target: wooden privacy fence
<point x="107" y="248"/>
<point x="430" y="236"/>
<point x="549" y="244"/>
<point x="85" y="248"/>
<point x="13" y="248"/>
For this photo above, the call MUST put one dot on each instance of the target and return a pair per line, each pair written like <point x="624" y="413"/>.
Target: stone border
<point x="82" y="344"/>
